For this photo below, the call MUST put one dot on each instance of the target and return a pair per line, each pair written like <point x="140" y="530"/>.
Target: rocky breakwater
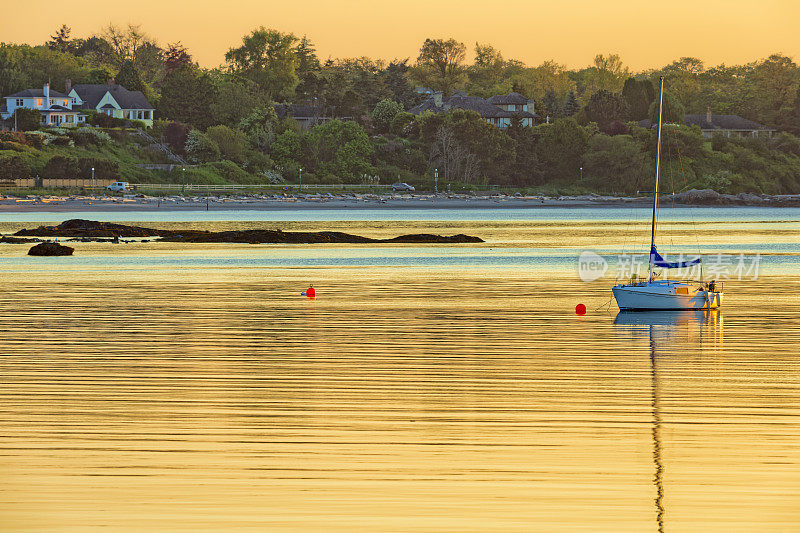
<point x="90" y="229"/>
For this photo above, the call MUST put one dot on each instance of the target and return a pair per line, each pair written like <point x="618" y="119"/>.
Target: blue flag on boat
<point x="657" y="260"/>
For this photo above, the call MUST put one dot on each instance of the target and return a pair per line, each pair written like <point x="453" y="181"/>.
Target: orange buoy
<point x="580" y="309"/>
<point x="310" y="292"/>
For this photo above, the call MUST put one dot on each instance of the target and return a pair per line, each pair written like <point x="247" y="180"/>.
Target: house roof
<point x="723" y="122"/>
<point x="298" y="111"/>
<point x="472" y="103"/>
<point x="508" y="99"/>
<point x="36" y="93"/>
<point x="91" y="94"/>
<point x="59" y="108"/>
<point x="107" y="106"/>
<point x="718" y="122"/>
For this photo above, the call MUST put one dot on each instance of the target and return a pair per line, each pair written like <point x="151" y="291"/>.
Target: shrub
<point x="89" y="136"/>
<point x="232" y="143"/>
<point x="61" y="140"/>
<point x="60" y="166"/>
<point x="12" y="167"/>
<point x="37" y="139"/>
<point x="400" y="123"/>
<point x="103" y="168"/>
<point x="104" y="121"/>
<point x="229" y="170"/>
<point x="175" y="135"/>
<point x="200" y="148"/>
<point x="13" y="136"/>
<point x="26" y="119"/>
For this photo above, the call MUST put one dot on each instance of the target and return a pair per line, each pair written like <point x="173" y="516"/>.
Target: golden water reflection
<point x="215" y="398"/>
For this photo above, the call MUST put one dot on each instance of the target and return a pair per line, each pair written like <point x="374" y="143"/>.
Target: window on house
<point x="39" y="102"/>
<point x="20" y="102"/>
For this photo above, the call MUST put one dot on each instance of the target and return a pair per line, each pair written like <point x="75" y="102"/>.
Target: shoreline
<point x="99" y="203"/>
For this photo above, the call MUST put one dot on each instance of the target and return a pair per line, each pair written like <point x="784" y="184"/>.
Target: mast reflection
<point x="668" y="332"/>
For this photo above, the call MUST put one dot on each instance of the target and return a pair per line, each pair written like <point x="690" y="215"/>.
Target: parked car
<point x="400" y="186"/>
<point x="120" y="186"/>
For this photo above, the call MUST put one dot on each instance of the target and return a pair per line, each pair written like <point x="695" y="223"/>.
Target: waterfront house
<point x="498" y="110"/>
<point x="56" y="108"/>
<point x="113" y="100"/>
<point x="727" y="125"/>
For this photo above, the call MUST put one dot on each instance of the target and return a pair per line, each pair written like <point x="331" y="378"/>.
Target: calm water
<point x="162" y="387"/>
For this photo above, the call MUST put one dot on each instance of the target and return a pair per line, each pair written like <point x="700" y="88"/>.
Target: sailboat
<point x="653" y="293"/>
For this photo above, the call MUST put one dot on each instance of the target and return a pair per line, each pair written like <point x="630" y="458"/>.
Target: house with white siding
<point x="56" y="108"/>
<point x="113" y="100"/>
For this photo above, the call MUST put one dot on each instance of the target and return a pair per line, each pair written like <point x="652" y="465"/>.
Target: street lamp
<point x="92" y="176"/>
<point x="435" y="181"/>
<point x="183" y="180"/>
<point x="301" y="180"/>
<point x="581" y="173"/>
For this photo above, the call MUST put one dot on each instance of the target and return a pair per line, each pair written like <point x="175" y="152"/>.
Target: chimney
<point x="67" y="86"/>
<point x="437" y="98"/>
<point x="111" y="82"/>
<point x="46" y="92"/>
<point x="708" y="114"/>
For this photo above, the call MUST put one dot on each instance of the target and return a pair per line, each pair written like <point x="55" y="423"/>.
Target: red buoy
<point x="311" y="293"/>
<point x="580" y="309"/>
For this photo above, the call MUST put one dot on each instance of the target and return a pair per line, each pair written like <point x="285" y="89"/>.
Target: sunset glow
<point x="646" y="35"/>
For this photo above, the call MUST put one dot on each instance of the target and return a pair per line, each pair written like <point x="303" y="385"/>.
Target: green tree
<point x="395" y="79"/>
<point x="673" y="110"/>
<point x="440" y="65"/>
<point x="187" y="96"/>
<point x="128" y="77"/>
<point x="307" y="70"/>
<point x="560" y="147"/>
<point x="384" y="113"/>
<point x="232" y="143"/>
<point x="605" y="107"/>
<point x="551" y="105"/>
<point x="268" y="58"/>
<point x="60" y="39"/>
<point x="234" y="99"/>
<point x="339" y="148"/>
<point x="495" y="151"/>
<point x="261" y="127"/>
<point x="287" y="150"/>
<point x="200" y="148"/>
<point x="616" y="164"/>
<point x="12" y="76"/>
<point x="571" y="105"/>
<point x="176" y="56"/>
<point x="638" y="94"/>
<point x="606" y="73"/>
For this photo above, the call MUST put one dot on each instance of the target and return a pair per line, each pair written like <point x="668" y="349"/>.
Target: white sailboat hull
<point x="664" y="296"/>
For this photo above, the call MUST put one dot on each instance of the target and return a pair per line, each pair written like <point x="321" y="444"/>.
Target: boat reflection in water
<point x="669" y="333"/>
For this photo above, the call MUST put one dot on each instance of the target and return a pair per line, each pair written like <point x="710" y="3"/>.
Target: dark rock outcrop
<point x="50" y="248"/>
<point x="89" y="229"/>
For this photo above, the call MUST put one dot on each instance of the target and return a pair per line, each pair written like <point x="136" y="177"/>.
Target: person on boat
<point x="711" y="285"/>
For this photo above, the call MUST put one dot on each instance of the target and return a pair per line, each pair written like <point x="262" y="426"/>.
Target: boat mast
<point x="658" y="165"/>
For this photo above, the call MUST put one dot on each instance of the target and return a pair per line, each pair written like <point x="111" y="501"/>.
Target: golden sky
<point x="646" y="34"/>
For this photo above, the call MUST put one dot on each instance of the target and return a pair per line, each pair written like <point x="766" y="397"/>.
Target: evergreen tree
<point x="129" y="77"/>
<point x="176" y="56"/>
<point x="605" y="107"/>
<point x="638" y="95"/>
<point x="60" y="39"/>
<point x="551" y="104"/>
<point x="571" y="105"/>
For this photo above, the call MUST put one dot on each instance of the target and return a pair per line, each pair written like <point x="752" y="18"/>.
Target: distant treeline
<point x="593" y="142"/>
